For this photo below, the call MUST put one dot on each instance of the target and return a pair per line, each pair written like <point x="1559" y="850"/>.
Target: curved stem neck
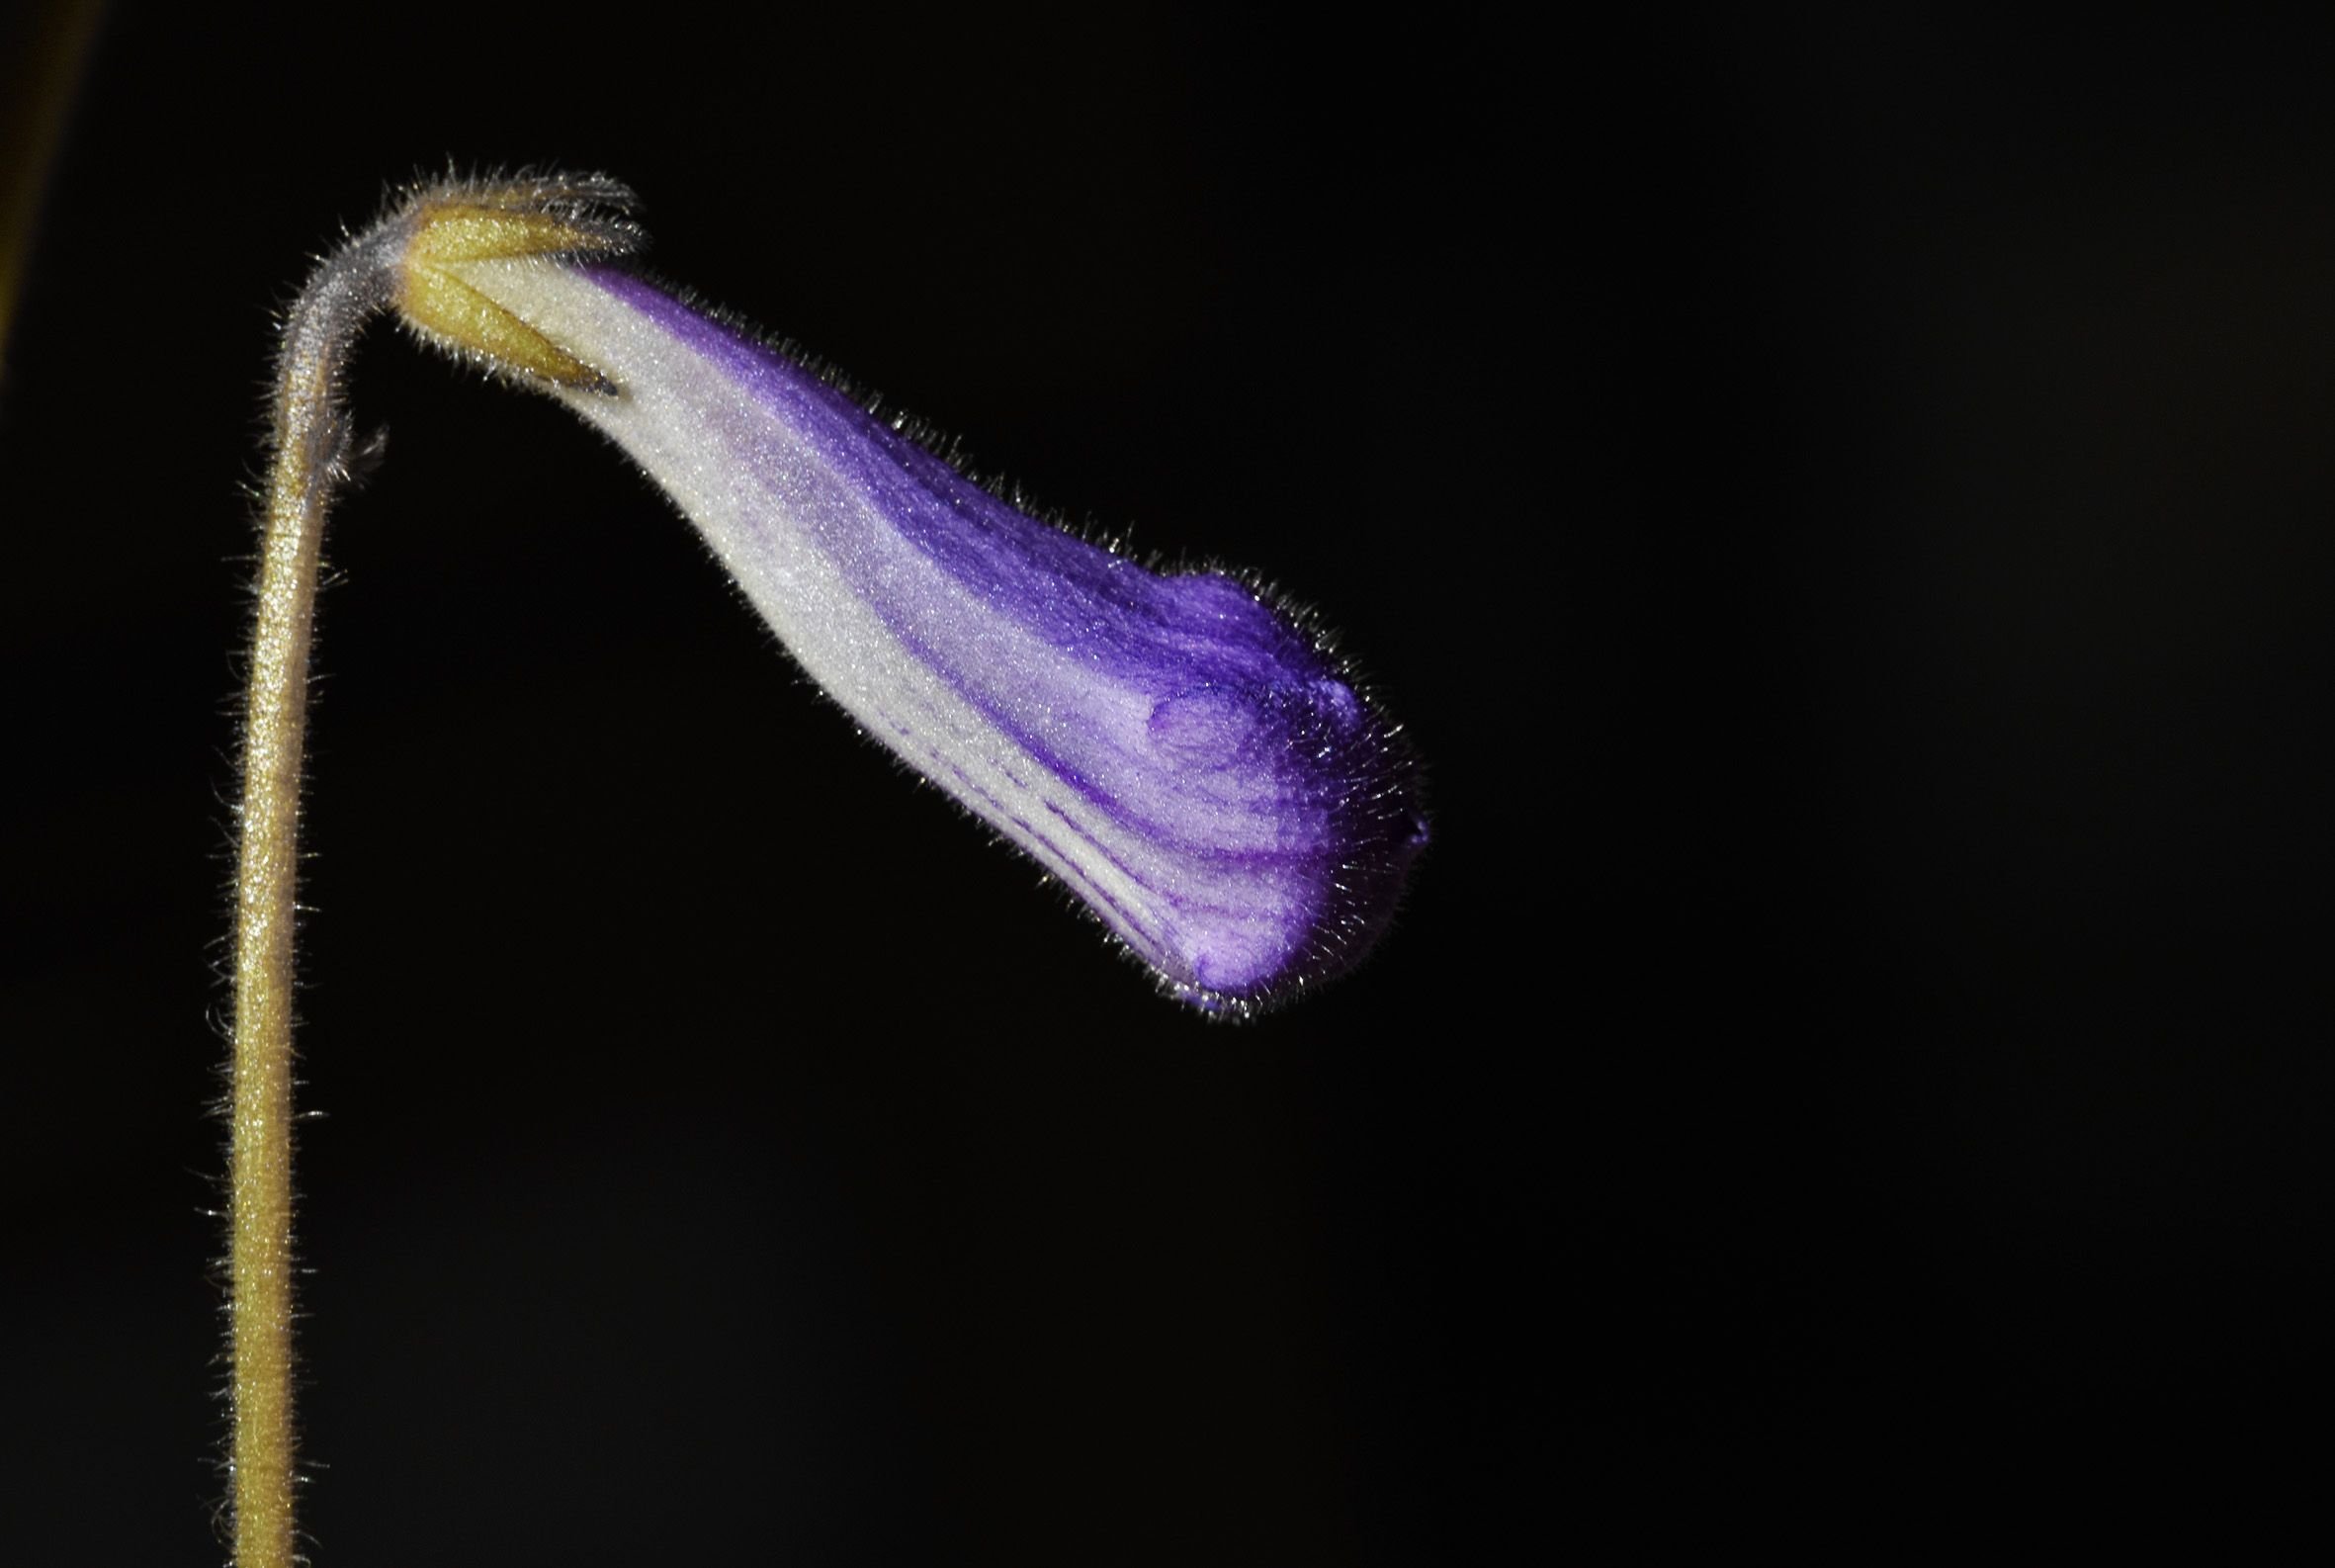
<point x="312" y="438"/>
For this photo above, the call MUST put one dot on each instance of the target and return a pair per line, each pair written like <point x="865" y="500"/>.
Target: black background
<point x="1848" y="513"/>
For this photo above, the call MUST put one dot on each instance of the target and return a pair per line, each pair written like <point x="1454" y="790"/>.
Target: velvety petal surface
<point x="1177" y="749"/>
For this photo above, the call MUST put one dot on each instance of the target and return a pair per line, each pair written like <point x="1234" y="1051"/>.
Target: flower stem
<point x="399" y="262"/>
<point x="312" y="438"/>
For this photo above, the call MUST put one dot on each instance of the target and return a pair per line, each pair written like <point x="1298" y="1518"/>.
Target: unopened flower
<point x="1179" y="749"/>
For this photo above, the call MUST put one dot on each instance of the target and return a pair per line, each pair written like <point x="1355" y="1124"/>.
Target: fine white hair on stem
<point x="311" y="457"/>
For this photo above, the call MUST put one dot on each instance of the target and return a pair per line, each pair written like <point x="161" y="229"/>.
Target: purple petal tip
<point x="1180" y="751"/>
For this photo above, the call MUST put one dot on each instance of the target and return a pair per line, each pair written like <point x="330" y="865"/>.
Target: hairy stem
<point x="312" y="438"/>
<point x="401" y="262"/>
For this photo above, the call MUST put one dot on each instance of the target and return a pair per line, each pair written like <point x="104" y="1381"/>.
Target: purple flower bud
<point x="1182" y="752"/>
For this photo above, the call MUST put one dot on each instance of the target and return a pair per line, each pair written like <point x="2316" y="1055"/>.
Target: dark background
<point x="1848" y="513"/>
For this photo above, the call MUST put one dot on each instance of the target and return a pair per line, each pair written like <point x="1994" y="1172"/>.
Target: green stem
<point x="400" y="261"/>
<point x="312" y="438"/>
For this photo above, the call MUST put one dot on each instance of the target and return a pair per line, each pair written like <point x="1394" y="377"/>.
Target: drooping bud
<point x="1179" y="749"/>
